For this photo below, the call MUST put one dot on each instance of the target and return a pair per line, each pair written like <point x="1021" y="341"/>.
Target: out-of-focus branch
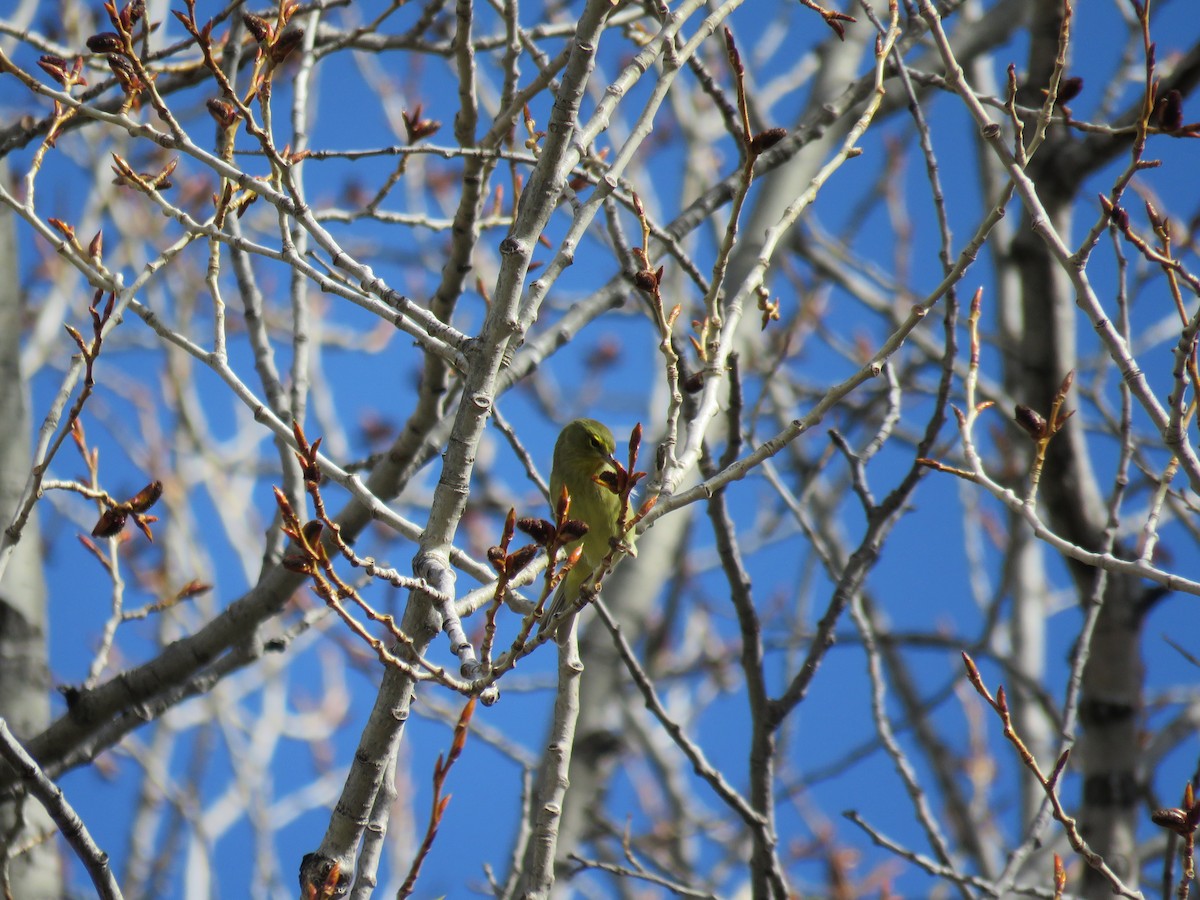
<point x="69" y="824"/>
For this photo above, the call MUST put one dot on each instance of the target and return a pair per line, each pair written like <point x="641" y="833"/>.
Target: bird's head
<point x="584" y="446"/>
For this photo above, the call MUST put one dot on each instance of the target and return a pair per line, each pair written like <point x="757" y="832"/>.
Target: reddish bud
<point x="538" y="529"/>
<point x="110" y="523"/>
<point x="1170" y="111"/>
<point x="294" y="562"/>
<point x="143" y="523"/>
<point x="126" y="74"/>
<point x="417" y="127"/>
<point x="55" y="67"/>
<point x="510" y="524"/>
<point x="257" y="26"/>
<point x="609" y="480"/>
<point x="224" y="112"/>
<point x="66" y="230"/>
<point x="1068" y="380"/>
<point x="312" y="531"/>
<point x="145" y="498"/>
<point x="285" y="44"/>
<point x="162" y="180"/>
<point x="765" y="140"/>
<point x="562" y="505"/>
<point x="121" y="67"/>
<point x="1152" y="214"/>
<point x="518" y="560"/>
<point x="1173" y="819"/>
<point x="648" y="505"/>
<point x="1032" y="422"/>
<point x="604" y="354"/>
<point x="573" y="530"/>
<point x="132" y="13"/>
<point x="646" y="281"/>
<point x="1069" y="89"/>
<point x="192" y="589"/>
<point x="106" y="42"/>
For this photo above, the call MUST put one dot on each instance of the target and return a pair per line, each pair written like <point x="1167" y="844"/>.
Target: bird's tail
<point x="564" y="595"/>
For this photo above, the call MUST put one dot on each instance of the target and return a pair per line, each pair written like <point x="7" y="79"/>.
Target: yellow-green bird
<point x="583" y="451"/>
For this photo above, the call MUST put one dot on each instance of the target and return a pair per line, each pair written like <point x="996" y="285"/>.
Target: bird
<point x="582" y="454"/>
